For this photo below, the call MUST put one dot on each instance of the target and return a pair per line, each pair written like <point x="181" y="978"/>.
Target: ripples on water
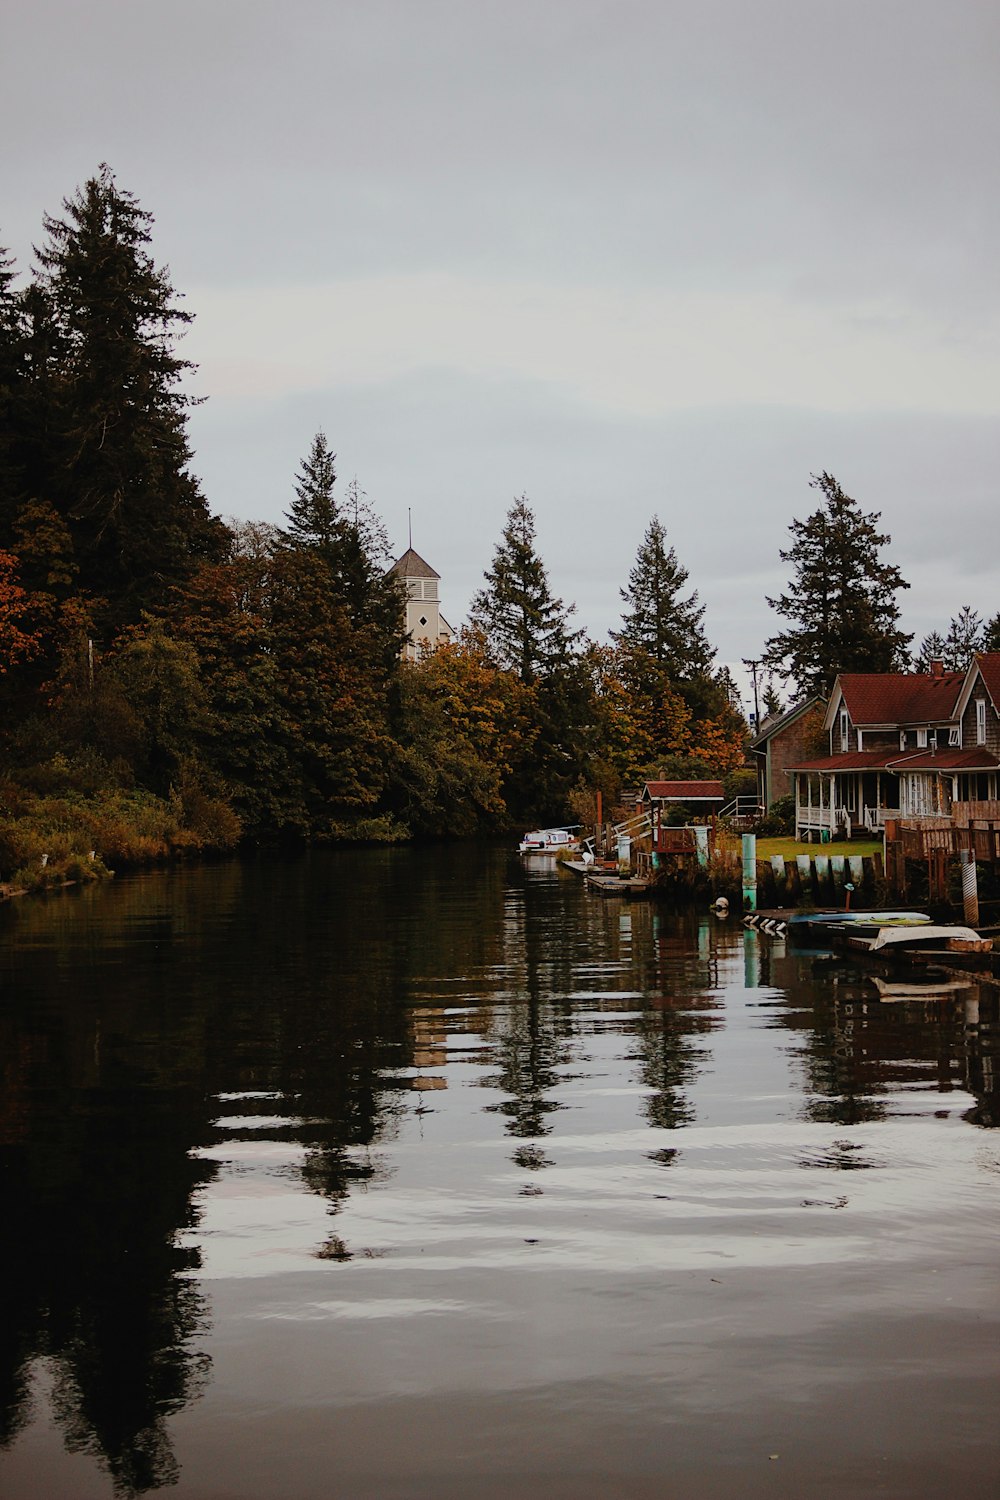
<point x="420" y="1173"/>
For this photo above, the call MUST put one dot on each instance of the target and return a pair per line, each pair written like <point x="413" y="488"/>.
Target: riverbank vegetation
<point x="172" y="683"/>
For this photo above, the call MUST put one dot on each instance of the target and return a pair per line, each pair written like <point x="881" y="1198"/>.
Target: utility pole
<point x="752" y="663"/>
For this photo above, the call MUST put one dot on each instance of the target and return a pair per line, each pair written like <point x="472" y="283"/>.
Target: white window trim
<point x="921" y="739"/>
<point x="980" y="721"/>
<point x="955" y="735"/>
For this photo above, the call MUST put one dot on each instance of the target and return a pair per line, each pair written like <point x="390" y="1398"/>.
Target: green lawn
<point x="789" y="847"/>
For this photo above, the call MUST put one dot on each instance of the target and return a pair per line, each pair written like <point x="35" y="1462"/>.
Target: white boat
<point x="950" y="938"/>
<point x="548" y="841"/>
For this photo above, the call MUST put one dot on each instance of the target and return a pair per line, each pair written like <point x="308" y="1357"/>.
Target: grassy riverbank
<point x="788" y="848"/>
<point x="58" y="833"/>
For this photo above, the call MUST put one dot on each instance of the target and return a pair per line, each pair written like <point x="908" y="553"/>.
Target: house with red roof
<point x="903" y="745"/>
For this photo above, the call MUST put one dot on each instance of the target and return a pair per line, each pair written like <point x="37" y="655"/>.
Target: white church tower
<point x="426" y="626"/>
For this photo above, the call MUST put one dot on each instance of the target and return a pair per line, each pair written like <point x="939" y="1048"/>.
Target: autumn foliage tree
<point x="19" y="641"/>
<point x="462" y="724"/>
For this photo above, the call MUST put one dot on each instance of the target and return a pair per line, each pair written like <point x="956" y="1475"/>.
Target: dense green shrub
<point x="779" y="820"/>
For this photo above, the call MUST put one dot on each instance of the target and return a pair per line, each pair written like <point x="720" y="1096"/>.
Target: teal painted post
<point x="701" y="843"/>
<point x="750" y="871"/>
<point x="751" y="958"/>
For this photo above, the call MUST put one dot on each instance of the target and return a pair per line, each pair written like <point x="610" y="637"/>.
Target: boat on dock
<point x="939" y="939"/>
<point x="860" y="918"/>
<point x="888" y="933"/>
<point x="550" y="841"/>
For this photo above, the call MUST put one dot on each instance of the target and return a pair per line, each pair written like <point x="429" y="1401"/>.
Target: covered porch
<point x="848" y="804"/>
<point x="849" y="796"/>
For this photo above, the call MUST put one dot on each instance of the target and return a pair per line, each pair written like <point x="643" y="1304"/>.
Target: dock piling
<point x="750" y="872"/>
<point x="970" y="886"/>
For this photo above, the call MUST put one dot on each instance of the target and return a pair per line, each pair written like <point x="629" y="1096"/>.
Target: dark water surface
<point x="421" y="1174"/>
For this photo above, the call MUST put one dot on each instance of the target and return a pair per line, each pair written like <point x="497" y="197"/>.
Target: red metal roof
<point x="901" y="697"/>
<point x="974" y="759"/>
<point x="683" y="791"/>
<point x="849" y="760"/>
<point x="977" y="758"/>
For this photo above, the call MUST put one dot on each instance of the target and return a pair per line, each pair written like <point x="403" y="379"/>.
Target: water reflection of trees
<point x="128" y="1014"/>
<point x="98" y="1181"/>
<point x="114" y="1050"/>
<point x="658" y="986"/>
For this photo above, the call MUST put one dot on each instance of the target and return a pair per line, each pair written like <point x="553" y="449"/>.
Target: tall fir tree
<point x="658" y="620"/>
<point x="842" y="599"/>
<point x="350" y="541"/>
<point x="932" y="649"/>
<point x="991" y="634"/>
<point x="965" y="637"/>
<point x="118" y="453"/>
<point x="525" y="626"/>
<point x="313" y="519"/>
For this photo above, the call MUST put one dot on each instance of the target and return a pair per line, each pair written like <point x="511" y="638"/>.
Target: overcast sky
<point x="625" y="258"/>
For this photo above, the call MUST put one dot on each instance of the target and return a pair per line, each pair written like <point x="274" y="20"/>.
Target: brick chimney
<point x="937" y="666"/>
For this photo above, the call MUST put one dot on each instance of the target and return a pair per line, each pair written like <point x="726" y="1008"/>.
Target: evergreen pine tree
<point x="932" y="648"/>
<point x="525" y="627"/>
<point x="964" y="639"/>
<point x="313" y="520"/>
<point x="842" y="602"/>
<point x="658" y="620"/>
<point x="771" y="701"/>
<point x="991" y="634"/>
<point x="117" y="432"/>
<point x="351" y="543"/>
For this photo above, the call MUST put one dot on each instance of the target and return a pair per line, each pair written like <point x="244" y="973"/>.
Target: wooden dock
<point x="604" y="883"/>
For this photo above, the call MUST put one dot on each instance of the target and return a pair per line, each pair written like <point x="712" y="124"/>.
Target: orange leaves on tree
<point x="18" y="640"/>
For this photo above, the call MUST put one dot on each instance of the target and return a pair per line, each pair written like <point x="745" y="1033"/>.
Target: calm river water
<point x="419" y="1173"/>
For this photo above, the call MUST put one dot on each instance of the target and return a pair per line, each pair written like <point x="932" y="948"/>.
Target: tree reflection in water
<point x="129" y="1014"/>
<point x="98" y="1185"/>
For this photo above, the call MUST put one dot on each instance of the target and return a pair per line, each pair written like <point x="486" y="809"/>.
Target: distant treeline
<point x="171" y="682"/>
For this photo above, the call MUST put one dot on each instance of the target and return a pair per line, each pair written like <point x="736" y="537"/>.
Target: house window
<point x="921" y="739"/>
<point x="980" y="721"/>
<point x="954" y="735"/>
<point x="845" y="730"/>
